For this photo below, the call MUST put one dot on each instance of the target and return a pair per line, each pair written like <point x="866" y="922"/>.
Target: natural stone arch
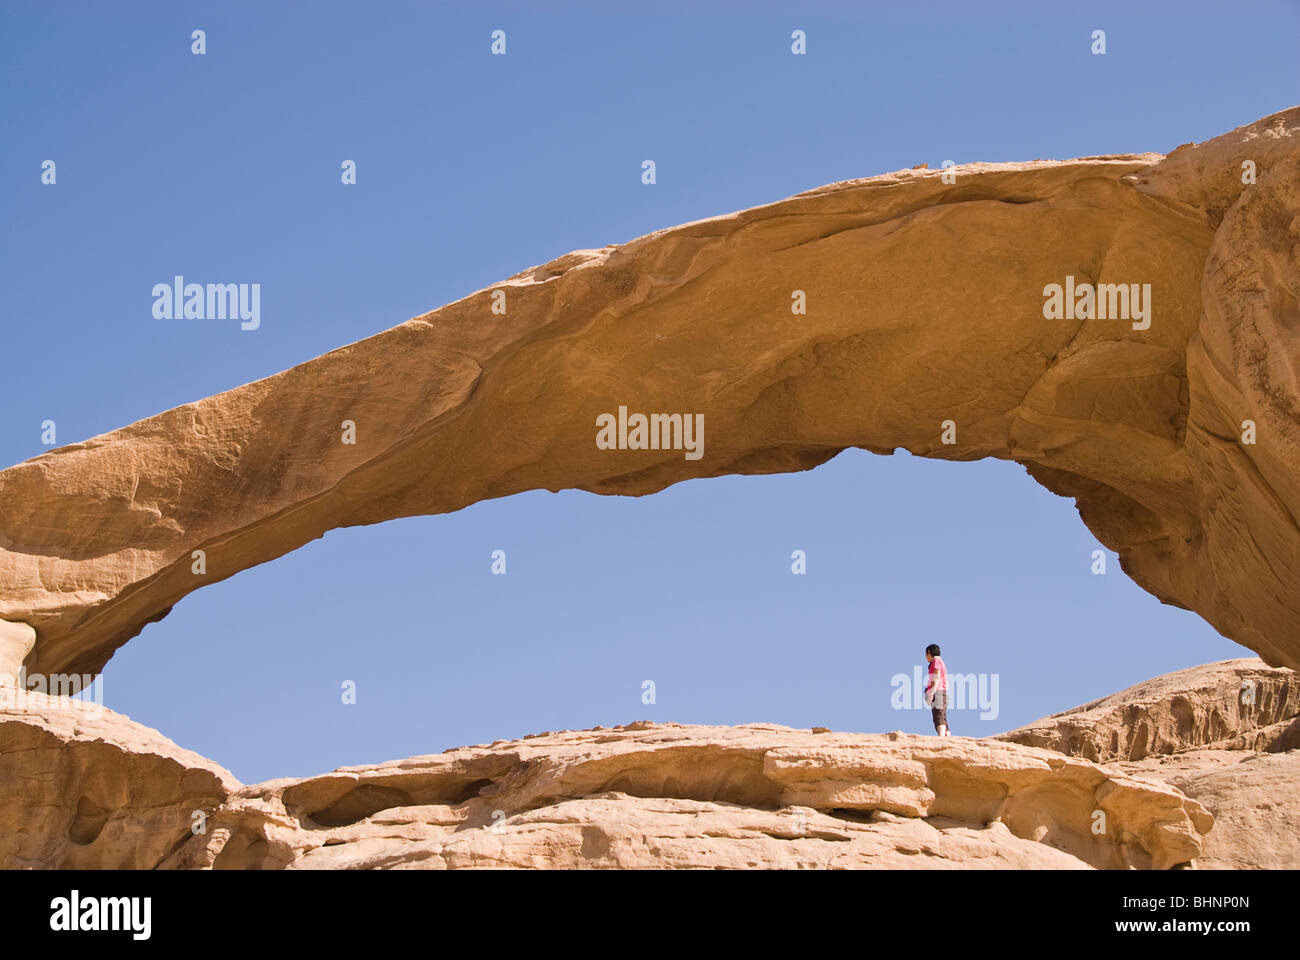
<point x="924" y="305"/>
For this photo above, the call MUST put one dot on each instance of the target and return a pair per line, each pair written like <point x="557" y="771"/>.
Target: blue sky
<point x="472" y="167"/>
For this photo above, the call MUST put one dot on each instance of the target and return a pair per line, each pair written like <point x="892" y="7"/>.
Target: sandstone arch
<point x="924" y="305"/>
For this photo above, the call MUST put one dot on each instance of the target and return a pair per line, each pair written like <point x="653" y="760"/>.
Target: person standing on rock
<point x="936" y="689"/>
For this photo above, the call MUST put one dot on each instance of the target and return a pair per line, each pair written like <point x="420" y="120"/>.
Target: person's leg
<point x="941" y="714"/>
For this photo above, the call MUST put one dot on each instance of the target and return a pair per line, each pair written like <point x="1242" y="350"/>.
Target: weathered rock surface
<point x="650" y="795"/>
<point x="83" y="787"/>
<point x="1192" y="771"/>
<point x="1226" y="734"/>
<point x="106" y="792"/>
<point x="925" y="304"/>
<point x="1255" y="799"/>
<point x="1231" y="705"/>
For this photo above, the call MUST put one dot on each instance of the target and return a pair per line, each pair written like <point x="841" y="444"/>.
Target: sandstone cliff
<point x="1226" y="734"/>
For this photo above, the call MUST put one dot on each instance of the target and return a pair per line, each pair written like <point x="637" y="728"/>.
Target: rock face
<point x="1234" y="705"/>
<point x="115" y="794"/>
<point x="1226" y="734"/>
<point x="85" y="787"/>
<point x="1192" y="774"/>
<point x="668" y="795"/>
<point x="925" y="303"/>
<point x="1255" y="799"/>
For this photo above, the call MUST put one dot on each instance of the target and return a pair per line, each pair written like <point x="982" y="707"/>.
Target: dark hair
<point x="932" y="649"/>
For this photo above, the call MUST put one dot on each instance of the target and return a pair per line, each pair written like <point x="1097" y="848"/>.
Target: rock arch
<point x="924" y="304"/>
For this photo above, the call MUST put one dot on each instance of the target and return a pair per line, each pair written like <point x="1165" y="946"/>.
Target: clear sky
<point x="471" y="167"/>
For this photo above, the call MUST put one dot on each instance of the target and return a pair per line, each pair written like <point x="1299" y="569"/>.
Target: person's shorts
<point x="939" y="709"/>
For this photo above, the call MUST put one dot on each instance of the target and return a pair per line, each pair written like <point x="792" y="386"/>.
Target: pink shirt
<point x="937" y="679"/>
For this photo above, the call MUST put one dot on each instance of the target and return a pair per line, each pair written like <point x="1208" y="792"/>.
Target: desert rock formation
<point x="668" y="795"/>
<point x="84" y="787"/>
<point x="1226" y="734"/>
<point x="1254" y="797"/>
<point x="113" y="793"/>
<point x="1199" y="767"/>
<point x="925" y="303"/>
<point x="1235" y="705"/>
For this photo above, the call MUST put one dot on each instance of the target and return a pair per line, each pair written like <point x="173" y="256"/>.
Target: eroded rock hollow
<point x="925" y="304"/>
